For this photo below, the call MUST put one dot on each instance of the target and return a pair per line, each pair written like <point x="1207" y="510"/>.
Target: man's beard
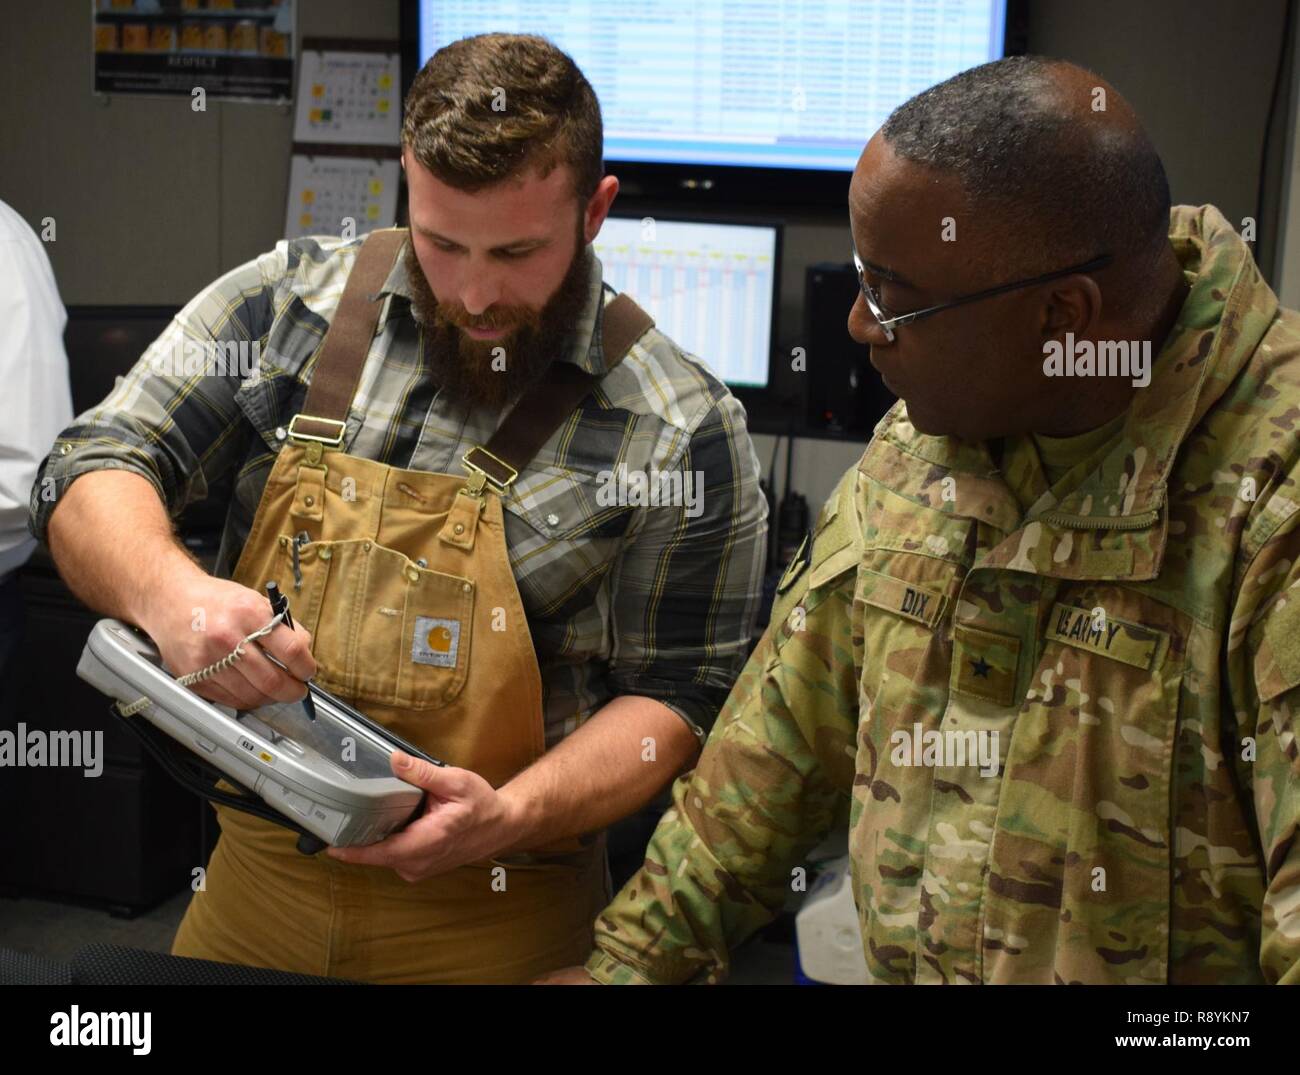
<point x="474" y="372"/>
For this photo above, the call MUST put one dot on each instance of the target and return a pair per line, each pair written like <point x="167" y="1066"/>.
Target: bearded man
<point x="415" y="457"/>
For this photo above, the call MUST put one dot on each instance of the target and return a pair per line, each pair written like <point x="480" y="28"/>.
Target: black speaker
<point x="845" y="393"/>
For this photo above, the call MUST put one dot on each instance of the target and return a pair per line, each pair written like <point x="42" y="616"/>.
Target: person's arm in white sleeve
<point x="34" y="376"/>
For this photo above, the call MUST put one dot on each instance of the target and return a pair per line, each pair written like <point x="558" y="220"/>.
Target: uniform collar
<point x="1113" y="524"/>
<point x="585" y="351"/>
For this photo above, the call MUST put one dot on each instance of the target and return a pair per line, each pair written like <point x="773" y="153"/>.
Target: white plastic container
<point x="826" y="927"/>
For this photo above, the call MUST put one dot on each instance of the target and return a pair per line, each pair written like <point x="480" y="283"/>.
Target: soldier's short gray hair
<point x="1069" y="188"/>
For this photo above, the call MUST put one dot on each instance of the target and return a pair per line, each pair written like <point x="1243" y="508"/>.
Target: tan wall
<point x="151" y="200"/>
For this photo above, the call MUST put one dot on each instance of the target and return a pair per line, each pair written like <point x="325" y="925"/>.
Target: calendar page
<point x="326" y="193"/>
<point x="348" y="97"/>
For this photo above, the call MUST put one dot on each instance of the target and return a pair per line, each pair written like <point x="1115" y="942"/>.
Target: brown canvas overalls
<point x="404" y="575"/>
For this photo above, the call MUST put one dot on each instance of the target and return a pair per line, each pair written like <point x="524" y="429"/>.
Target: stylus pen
<point x="280" y="603"/>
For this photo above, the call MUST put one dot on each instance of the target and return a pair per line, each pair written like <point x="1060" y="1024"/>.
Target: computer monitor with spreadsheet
<point x="710" y="285"/>
<point x="765" y="84"/>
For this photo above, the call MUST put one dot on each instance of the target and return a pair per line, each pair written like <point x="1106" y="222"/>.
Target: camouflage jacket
<point x="1133" y="638"/>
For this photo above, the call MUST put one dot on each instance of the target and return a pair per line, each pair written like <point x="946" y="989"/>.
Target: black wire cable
<point x="1288" y="19"/>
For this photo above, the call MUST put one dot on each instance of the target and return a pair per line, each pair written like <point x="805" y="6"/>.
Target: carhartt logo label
<point x="436" y="641"/>
<point x="1121" y="640"/>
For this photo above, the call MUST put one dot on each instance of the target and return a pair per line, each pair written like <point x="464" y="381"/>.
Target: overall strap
<point x="538" y="413"/>
<point x="347" y="343"/>
<point x="542" y="409"/>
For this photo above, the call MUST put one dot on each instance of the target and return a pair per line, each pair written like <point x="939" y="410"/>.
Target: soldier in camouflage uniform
<point x="1129" y="629"/>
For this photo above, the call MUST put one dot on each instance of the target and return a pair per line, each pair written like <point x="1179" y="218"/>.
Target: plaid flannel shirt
<point x="622" y="598"/>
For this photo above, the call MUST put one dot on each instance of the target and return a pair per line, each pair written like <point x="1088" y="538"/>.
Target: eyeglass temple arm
<point x="1001" y="289"/>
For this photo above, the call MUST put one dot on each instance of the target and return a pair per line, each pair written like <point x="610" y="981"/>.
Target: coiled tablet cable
<point x="228" y="661"/>
<point x="195" y="774"/>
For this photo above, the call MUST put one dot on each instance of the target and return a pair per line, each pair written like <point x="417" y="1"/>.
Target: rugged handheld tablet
<point x="328" y="779"/>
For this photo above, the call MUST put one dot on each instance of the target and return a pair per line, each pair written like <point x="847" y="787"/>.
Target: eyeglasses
<point x="888" y="321"/>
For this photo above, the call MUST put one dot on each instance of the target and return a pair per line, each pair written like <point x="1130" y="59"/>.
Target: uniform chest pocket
<point x="904" y="603"/>
<point x="912" y="568"/>
<point x="1084" y="843"/>
<point x="385" y="629"/>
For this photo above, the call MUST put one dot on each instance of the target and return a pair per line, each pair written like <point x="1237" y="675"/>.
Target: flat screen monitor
<point x="710" y="285"/>
<point x="104" y="342"/>
<point x="773" y="84"/>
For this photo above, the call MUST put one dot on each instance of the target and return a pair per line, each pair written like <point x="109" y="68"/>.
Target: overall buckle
<point x="330" y="442"/>
<point x="488" y="469"/>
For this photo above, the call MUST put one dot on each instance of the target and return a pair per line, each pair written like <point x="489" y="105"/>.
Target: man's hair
<point x="488" y="108"/>
<point x="1068" y="188"/>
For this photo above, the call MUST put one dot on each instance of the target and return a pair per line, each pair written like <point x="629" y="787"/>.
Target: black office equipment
<point x="845" y="393"/>
<point x="130" y="837"/>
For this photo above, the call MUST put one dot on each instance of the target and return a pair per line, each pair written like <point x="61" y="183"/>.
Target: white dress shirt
<point x="35" y="397"/>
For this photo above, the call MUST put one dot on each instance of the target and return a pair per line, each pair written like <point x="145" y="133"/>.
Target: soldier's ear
<point x="1071" y="304"/>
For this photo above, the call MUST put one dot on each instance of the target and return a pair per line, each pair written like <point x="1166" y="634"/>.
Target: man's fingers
<point x="230" y="689"/>
<point x="215" y="692"/>
<point x="250" y="683"/>
<point x="261" y="681"/>
<point x="392" y="850"/>
<point x="268" y="682"/>
<point x="253" y="680"/>
<point x="292" y="648"/>
<point x="444" y="781"/>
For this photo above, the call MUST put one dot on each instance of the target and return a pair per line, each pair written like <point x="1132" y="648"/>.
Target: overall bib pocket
<point x="397" y="633"/>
